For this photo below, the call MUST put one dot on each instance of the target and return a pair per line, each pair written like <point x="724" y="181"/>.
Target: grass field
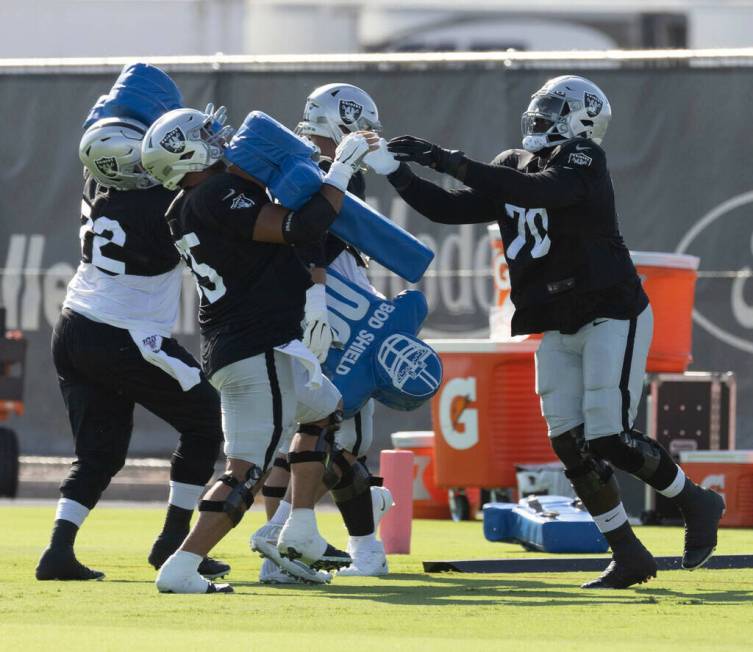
<point x="704" y="610"/>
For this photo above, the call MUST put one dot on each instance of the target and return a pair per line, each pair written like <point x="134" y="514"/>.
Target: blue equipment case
<point x="544" y="523"/>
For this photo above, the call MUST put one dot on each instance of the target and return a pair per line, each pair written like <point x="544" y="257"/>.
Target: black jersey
<point x="252" y="293"/>
<point x="124" y="232"/>
<point x="568" y="262"/>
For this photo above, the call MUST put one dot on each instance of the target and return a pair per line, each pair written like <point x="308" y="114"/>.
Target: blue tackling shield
<point x="272" y="153"/>
<point x="142" y="92"/>
<point x="381" y="357"/>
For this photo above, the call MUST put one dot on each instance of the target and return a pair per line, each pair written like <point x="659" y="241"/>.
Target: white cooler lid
<point x="482" y="346"/>
<point x="717" y="457"/>
<point x="664" y="259"/>
<point x="414" y="439"/>
<point x="493" y="231"/>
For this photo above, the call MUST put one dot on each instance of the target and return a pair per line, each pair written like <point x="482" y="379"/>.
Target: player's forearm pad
<point x="142" y="92"/>
<point x="310" y="222"/>
<point x="272" y="153"/>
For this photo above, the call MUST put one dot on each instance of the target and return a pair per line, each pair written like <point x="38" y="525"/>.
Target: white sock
<point x="302" y="517"/>
<point x="676" y="486"/>
<point x="611" y="520"/>
<point x="186" y="561"/>
<point x="360" y="542"/>
<point x="185" y="496"/>
<point x="70" y="510"/>
<point x="282" y="513"/>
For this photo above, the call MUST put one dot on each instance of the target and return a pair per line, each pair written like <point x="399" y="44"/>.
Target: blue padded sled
<point x="142" y="92"/>
<point x="545" y="523"/>
<point x="284" y="162"/>
<point x="381" y="357"/>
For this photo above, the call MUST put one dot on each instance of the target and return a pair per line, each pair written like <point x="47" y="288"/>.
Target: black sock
<point x="358" y="514"/>
<point x="687" y="498"/>
<point x="63" y="534"/>
<point x="177" y="521"/>
<point x="621" y="538"/>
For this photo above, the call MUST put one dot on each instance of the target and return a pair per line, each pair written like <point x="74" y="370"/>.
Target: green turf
<point x="704" y="610"/>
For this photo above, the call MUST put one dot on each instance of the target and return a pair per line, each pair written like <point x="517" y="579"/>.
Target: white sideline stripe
<point x="139" y="462"/>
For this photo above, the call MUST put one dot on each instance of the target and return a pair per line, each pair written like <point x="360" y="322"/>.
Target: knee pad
<point x="240" y="498"/>
<point x="592" y="479"/>
<point x="629" y="451"/>
<point x="354" y="481"/>
<point x="325" y="449"/>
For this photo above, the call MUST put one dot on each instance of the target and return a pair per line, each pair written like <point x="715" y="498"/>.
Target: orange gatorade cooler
<point x="669" y="281"/>
<point x="731" y="474"/>
<point x="429" y="501"/>
<point x="486" y="414"/>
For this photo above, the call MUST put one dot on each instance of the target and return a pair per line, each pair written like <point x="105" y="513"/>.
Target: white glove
<point x="381" y="160"/>
<point x="317" y="333"/>
<point x="348" y="157"/>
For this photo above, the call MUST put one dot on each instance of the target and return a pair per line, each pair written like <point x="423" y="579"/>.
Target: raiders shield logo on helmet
<point x="350" y="111"/>
<point x="593" y="105"/>
<point x="174" y="141"/>
<point x="107" y="165"/>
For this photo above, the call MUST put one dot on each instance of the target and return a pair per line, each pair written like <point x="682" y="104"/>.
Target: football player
<point x="332" y="112"/>
<point x="112" y="349"/>
<point x="573" y="280"/>
<point x="240" y="248"/>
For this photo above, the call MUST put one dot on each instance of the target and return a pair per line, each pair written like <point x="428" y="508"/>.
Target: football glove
<point x="416" y="150"/>
<point x="348" y="158"/>
<point x="381" y="160"/>
<point x="317" y="333"/>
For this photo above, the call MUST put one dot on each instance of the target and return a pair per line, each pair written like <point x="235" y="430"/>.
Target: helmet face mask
<point x="183" y="141"/>
<point x="565" y="108"/>
<point x="110" y="150"/>
<point x="336" y="110"/>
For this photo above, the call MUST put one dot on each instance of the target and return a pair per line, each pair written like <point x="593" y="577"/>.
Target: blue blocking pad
<point x="284" y="162"/>
<point x="142" y="92"/>
<point x="545" y="523"/>
<point x="381" y="357"/>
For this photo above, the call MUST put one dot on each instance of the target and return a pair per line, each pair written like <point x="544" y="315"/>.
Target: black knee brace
<point x="592" y="479"/>
<point x="270" y="491"/>
<point x="325" y="450"/>
<point x="637" y="454"/>
<point x="354" y="481"/>
<point x="240" y="498"/>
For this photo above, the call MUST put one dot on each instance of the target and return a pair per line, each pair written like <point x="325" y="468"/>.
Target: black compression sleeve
<point x="554" y="187"/>
<point x="309" y="223"/>
<point x="462" y="206"/>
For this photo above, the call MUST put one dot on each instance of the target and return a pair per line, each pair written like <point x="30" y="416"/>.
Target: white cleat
<point x="270" y="573"/>
<point x="174" y="577"/>
<point x="382" y="502"/>
<point x="300" y="540"/>
<point x="369" y="560"/>
<point x="264" y="541"/>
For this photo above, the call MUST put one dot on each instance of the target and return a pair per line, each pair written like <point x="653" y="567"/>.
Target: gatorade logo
<point x="420" y="464"/>
<point x="458" y="420"/>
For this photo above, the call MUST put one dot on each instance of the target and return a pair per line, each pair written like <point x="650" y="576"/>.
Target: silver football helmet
<point x="110" y="150"/>
<point x="335" y="110"/>
<point x="182" y="141"/>
<point x="564" y="108"/>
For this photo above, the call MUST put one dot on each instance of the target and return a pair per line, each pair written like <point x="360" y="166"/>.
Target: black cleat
<point x="164" y="546"/>
<point x="219" y="588"/>
<point x="213" y="568"/>
<point x="632" y="565"/>
<point x="61" y="564"/>
<point x="332" y="559"/>
<point x="701" y="527"/>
